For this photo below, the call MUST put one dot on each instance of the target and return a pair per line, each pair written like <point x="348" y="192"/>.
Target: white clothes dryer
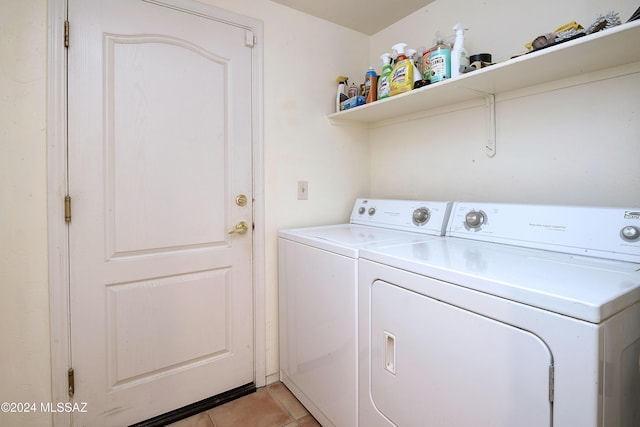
<point x="318" y="270"/>
<point x="523" y="316"/>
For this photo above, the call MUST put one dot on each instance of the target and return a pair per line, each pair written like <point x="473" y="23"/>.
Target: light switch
<point x="303" y="190"/>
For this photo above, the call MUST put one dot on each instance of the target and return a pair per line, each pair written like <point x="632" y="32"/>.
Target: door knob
<point x="240" y="228"/>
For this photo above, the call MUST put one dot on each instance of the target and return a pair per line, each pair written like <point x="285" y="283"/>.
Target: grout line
<point x="213" y="423"/>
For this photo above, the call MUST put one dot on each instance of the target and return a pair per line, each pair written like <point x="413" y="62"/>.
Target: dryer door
<point x="434" y="364"/>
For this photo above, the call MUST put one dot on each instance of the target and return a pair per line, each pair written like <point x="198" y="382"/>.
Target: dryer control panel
<point x="612" y="233"/>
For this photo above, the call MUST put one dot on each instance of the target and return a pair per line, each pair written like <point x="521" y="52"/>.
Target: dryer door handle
<point x="389" y="349"/>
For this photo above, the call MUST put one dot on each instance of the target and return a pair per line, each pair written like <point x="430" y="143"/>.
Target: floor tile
<point x="308" y="421"/>
<point x="288" y="400"/>
<point x="258" y="409"/>
<point x="199" y="420"/>
<point x="270" y="406"/>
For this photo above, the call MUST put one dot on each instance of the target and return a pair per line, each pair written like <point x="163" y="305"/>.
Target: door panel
<point x="149" y="130"/>
<point x="136" y="311"/>
<point x="434" y="364"/>
<point x="161" y="296"/>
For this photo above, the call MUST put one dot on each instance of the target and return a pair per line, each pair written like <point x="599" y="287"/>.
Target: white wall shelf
<point x="603" y="50"/>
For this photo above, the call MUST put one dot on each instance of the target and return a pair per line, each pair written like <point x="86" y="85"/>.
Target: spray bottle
<point x="384" y="82"/>
<point x="459" y="57"/>
<point x="416" y="73"/>
<point x="340" y="96"/>
<point x="402" y="74"/>
<point x="440" y="60"/>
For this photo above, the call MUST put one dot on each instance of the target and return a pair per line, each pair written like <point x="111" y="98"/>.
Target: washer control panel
<point x="612" y="233"/>
<point x="426" y="217"/>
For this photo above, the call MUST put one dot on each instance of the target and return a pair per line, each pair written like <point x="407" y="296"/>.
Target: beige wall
<point x="573" y="145"/>
<point x="24" y="302"/>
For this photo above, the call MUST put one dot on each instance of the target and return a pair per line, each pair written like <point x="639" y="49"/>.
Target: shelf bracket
<point x="490" y="146"/>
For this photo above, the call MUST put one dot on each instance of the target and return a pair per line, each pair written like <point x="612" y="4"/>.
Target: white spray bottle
<point x="340" y="95"/>
<point x="416" y="73"/>
<point x="459" y="56"/>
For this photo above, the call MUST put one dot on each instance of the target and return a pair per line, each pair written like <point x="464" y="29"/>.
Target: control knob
<point x="630" y="232"/>
<point x="372" y="211"/>
<point x="361" y="210"/>
<point x="421" y="216"/>
<point x="475" y="219"/>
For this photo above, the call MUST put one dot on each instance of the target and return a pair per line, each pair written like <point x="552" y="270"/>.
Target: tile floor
<point x="270" y="406"/>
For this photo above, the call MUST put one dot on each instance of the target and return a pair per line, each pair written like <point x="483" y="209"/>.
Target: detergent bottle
<point x="459" y="56"/>
<point x="384" y="82"/>
<point x="426" y="65"/>
<point x="402" y="74"/>
<point x="370" y="85"/>
<point x="440" y="60"/>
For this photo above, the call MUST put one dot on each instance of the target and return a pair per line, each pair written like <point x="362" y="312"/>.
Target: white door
<point x="161" y="297"/>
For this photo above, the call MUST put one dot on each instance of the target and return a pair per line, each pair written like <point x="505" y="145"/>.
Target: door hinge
<point x="249" y="38"/>
<point x="551" y="375"/>
<point x="67" y="209"/>
<point x="66" y="33"/>
<point x="71" y="382"/>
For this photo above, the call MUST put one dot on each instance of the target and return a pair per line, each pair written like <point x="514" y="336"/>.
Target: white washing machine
<point x="523" y="316"/>
<point x="318" y="270"/>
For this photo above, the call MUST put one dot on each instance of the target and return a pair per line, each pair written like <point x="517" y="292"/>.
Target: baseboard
<point x="273" y="378"/>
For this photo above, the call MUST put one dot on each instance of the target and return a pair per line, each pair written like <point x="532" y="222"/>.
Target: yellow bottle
<point x="402" y="74"/>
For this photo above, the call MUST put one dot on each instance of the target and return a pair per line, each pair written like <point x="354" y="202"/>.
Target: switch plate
<point x="303" y="190"/>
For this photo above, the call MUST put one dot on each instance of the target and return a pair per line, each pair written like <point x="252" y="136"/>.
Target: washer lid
<point x="348" y="239"/>
<point x="587" y="288"/>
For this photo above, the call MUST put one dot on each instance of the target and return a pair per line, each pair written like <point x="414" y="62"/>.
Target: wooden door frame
<point x="57" y="185"/>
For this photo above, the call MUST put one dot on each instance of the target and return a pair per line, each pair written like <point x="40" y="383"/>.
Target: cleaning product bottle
<point x="384" y="82"/>
<point x="426" y="65"/>
<point x="416" y="73"/>
<point x="459" y="56"/>
<point x="353" y="90"/>
<point x="440" y="60"/>
<point x="340" y="96"/>
<point x="402" y="74"/>
<point x="370" y="85"/>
